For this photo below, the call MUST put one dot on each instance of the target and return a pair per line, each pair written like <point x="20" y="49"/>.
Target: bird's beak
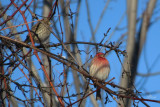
<point x="102" y="55"/>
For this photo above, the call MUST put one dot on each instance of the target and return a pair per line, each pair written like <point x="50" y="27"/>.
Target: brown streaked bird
<point x="100" y="70"/>
<point x="40" y="32"/>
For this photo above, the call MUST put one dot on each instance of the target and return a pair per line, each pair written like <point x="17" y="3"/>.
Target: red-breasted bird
<point x="99" y="69"/>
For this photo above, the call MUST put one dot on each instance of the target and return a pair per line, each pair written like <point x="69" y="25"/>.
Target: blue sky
<point x="115" y="11"/>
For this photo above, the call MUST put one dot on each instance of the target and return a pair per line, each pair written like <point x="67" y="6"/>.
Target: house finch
<point x="40" y="31"/>
<point x="99" y="69"/>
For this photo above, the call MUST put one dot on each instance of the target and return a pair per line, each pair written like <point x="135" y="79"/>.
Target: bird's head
<point x="46" y="21"/>
<point x="100" y="54"/>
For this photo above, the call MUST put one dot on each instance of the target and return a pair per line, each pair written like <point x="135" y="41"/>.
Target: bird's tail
<point x="98" y="94"/>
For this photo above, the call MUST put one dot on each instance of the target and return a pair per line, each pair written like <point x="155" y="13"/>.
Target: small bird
<point x="40" y="31"/>
<point x="99" y="69"/>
